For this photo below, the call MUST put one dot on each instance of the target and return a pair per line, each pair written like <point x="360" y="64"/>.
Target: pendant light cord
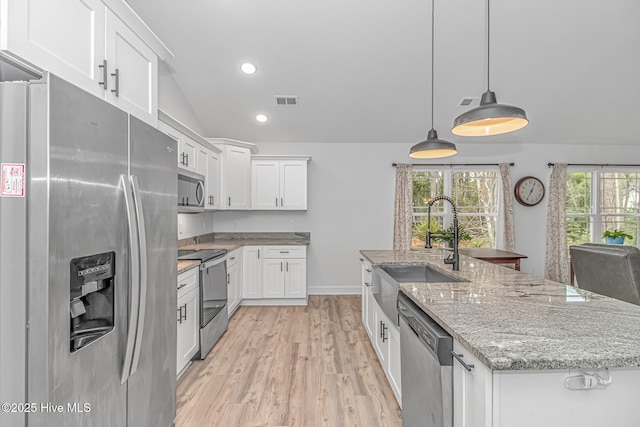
<point x="432" y="54"/>
<point x="488" y="43"/>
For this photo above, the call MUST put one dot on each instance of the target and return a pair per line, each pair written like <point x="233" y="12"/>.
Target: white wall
<point x="351" y="190"/>
<point x="190" y="225"/>
<point x="172" y="101"/>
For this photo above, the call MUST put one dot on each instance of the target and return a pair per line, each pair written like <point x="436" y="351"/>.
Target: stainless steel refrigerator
<point x="88" y="255"/>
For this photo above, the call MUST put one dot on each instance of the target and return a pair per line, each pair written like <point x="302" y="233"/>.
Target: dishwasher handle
<point x="459" y="357"/>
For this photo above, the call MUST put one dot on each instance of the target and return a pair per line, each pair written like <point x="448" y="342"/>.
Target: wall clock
<point x="529" y="191"/>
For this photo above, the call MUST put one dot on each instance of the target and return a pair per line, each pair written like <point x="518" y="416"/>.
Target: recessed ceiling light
<point x="248" y="68"/>
<point x="262" y="118"/>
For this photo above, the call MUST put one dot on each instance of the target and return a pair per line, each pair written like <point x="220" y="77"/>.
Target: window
<point x="475" y="193"/>
<point x="599" y="200"/>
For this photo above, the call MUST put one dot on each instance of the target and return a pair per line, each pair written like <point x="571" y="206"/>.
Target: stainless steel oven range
<point x="214" y="316"/>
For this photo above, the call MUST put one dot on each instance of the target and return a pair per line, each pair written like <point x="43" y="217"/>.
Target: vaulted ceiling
<point x="362" y="73"/>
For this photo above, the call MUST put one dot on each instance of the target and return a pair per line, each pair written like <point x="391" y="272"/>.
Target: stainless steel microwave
<point x="190" y="192"/>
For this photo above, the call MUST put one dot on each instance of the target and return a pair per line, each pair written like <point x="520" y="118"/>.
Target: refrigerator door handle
<point x="134" y="253"/>
<point x="142" y="236"/>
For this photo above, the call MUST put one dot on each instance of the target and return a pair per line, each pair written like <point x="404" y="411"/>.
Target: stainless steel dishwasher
<point x="427" y="371"/>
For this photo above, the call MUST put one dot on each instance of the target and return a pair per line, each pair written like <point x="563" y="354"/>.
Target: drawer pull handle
<point x="284" y="252"/>
<point x="182" y="286"/>
<point x="459" y="357"/>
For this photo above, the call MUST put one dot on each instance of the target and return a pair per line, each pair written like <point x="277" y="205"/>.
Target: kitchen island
<point x="525" y="336"/>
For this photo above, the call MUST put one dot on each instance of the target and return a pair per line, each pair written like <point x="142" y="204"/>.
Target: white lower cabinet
<point x="284" y="278"/>
<point x="534" y="398"/>
<point x="284" y="274"/>
<point x="252" y="272"/>
<point x="380" y="339"/>
<point x="188" y="340"/>
<point x="384" y="334"/>
<point x="234" y="280"/>
<point x="367" y="313"/>
<point x="471" y="390"/>
<point x="393" y="362"/>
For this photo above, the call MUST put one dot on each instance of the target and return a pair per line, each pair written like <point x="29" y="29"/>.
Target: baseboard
<point x="336" y="290"/>
<point x="275" y="301"/>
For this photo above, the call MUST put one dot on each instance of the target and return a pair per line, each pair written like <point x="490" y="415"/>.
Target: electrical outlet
<point x="180" y="228"/>
<point x="235" y="224"/>
<point x="291" y="223"/>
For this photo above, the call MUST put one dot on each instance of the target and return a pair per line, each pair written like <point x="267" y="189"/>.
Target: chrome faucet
<point x="451" y="259"/>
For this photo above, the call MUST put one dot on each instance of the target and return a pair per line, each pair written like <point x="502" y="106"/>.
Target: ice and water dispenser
<point x="91" y="298"/>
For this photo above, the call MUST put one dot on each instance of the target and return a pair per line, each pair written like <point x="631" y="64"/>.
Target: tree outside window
<point x="600" y="200"/>
<point x="475" y="193"/>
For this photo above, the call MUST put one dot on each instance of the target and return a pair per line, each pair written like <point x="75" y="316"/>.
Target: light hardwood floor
<point x="290" y="366"/>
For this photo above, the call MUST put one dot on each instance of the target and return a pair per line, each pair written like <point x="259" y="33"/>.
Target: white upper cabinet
<point x="236" y="182"/>
<point x="293" y="184"/>
<point x="212" y="184"/>
<point x="133" y="71"/>
<point x="85" y="43"/>
<point x="66" y="37"/>
<point x="188" y="154"/>
<point x="279" y="183"/>
<point x="265" y="184"/>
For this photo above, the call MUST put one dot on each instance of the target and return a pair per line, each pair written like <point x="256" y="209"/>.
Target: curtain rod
<point x="454" y="164"/>
<point x="596" y="164"/>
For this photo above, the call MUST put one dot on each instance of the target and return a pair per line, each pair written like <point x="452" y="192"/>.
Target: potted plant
<point x="615" y="237"/>
<point x="446" y="235"/>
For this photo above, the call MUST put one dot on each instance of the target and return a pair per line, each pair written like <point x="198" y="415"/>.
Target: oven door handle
<point x="212" y="263"/>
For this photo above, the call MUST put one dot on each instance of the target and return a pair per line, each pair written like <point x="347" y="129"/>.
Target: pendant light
<point x="490" y="118"/>
<point x="433" y="147"/>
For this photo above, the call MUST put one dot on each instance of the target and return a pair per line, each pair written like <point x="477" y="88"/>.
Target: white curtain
<point x="403" y="209"/>
<point x="556" y="262"/>
<point x="508" y="239"/>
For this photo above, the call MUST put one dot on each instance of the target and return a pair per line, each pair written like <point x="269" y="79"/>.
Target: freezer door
<point x="13" y="268"/>
<point x="77" y="209"/>
<point x="153" y="172"/>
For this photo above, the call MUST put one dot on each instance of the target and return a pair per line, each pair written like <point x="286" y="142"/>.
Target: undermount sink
<point x="417" y="273"/>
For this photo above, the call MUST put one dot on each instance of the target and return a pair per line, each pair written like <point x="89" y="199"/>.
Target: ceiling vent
<point x="286" y="100"/>
<point x="469" y="102"/>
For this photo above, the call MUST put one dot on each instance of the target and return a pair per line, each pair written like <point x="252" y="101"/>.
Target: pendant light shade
<point x="433" y="147"/>
<point x="490" y="118"/>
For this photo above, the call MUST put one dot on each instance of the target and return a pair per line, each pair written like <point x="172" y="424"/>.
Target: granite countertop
<point x="516" y="321"/>
<point x="184" y="265"/>
<point x="232" y="241"/>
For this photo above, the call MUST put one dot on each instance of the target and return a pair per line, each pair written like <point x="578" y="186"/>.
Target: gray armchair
<point x="610" y="270"/>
